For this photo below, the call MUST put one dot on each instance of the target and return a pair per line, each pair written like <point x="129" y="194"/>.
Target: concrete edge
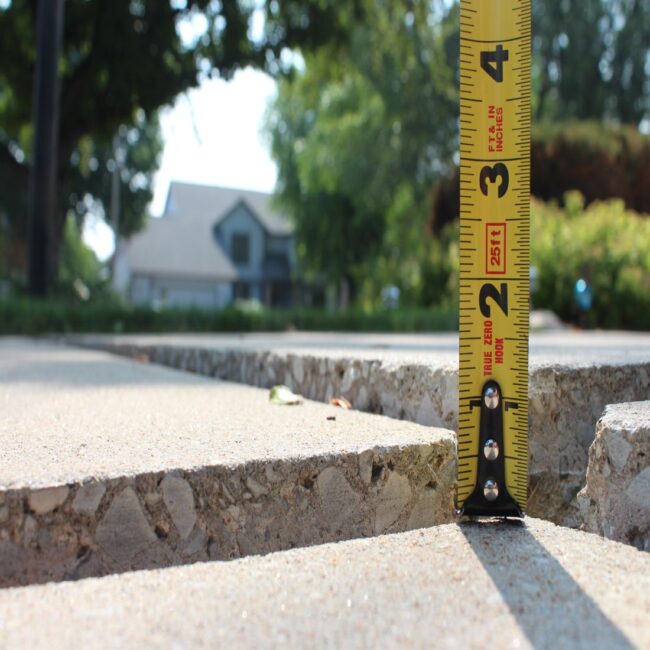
<point x="615" y="501"/>
<point x="167" y="518"/>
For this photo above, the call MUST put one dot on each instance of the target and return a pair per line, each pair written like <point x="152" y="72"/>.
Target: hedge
<point x="34" y="317"/>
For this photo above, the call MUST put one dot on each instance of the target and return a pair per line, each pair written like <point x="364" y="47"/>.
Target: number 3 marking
<point x="492" y="173"/>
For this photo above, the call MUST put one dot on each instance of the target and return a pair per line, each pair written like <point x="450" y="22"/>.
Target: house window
<point x="242" y="290"/>
<point x="240" y="248"/>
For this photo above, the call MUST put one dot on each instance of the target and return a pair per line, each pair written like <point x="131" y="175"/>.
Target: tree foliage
<point x="359" y="138"/>
<point x="591" y="59"/>
<point x="122" y="61"/>
<point x="135" y="150"/>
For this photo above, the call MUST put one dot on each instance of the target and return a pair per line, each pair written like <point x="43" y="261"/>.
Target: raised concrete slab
<point x="108" y="465"/>
<point x="573" y="376"/>
<point x="616" y="498"/>
<point x="490" y="585"/>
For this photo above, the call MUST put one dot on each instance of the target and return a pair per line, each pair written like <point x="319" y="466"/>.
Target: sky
<point x="211" y="135"/>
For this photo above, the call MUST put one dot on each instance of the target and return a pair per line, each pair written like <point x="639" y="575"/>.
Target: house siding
<point x="179" y="292"/>
<point x="242" y="222"/>
<point x="283" y="246"/>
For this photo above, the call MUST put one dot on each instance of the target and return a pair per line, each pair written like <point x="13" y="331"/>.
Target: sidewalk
<point x="573" y="377"/>
<point x="471" y="586"/>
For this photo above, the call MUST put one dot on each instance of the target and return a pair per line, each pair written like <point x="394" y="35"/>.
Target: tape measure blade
<point x="495" y="89"/>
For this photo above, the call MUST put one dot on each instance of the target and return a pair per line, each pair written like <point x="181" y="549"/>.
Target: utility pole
<point x="115" y="199"/>
<point x="44" y="168"/>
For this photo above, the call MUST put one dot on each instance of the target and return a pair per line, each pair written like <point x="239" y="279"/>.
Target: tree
<point x="360" y="137"/>
<point x="590" y="60"/>
<point x="122" y="61"/>
<point x="88" y="182"/>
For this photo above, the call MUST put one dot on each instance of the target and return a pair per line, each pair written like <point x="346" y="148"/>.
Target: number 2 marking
<point x="500" y="297"/>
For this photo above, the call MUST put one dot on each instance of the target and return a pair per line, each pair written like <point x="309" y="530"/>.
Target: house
<point x="212" y="246"/>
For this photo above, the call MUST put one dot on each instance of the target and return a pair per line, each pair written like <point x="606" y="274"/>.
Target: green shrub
<point x="605" y="244"/>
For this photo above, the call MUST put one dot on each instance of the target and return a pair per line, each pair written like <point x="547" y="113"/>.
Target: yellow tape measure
<point x="495" y="116"/>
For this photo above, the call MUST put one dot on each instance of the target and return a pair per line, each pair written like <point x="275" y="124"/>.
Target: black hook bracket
<point x="490" y="497"/>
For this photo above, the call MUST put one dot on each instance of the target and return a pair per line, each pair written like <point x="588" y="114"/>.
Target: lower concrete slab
<point x="490" y="585"/>
<point x="573" y="376"/>
<point x="109" y="465"/>
<point x="616" y="497"/>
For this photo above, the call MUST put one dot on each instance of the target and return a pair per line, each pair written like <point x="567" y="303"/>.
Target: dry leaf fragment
<point x="284" y="396"/>
<point x="340" y="401"/>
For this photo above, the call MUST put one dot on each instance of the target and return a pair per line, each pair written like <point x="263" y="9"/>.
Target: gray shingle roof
<point x="182" y="244"/>
<point x="213" y="203"/>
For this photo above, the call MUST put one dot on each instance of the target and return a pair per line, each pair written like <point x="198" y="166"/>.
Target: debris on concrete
<point x="284" y="396"/>
<point x="616" y="499"/>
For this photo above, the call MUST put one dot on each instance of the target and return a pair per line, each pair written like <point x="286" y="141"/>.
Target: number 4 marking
<point x="492" y="62"/>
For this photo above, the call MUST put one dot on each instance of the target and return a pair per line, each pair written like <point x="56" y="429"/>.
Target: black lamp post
<point x="42" y="199"/>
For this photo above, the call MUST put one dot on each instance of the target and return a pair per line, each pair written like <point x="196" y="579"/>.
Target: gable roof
<point x="181" y="243"/>
<point x="213" y="203"/>
<point x="172" y="247"/>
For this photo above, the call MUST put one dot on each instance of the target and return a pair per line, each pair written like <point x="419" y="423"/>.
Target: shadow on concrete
<point x="549" y="605"/>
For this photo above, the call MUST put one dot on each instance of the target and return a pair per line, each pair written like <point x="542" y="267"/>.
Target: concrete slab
<point x="493" y="585"/>
<point x="573" y="376"/>
<point x="616" y="498"/>
<point x="109" y="465"/>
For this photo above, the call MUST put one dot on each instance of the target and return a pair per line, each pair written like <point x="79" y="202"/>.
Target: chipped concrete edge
<point x="615" y="501"/>
<point x="167" y="518"/>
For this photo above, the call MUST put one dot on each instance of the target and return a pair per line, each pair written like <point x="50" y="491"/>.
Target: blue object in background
<point x="390" y="297"/>
<point x="534" y="279"/>
<point x="583" y="295"/>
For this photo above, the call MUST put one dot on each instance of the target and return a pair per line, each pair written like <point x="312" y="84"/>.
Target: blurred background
<point x="236" y="165"/>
